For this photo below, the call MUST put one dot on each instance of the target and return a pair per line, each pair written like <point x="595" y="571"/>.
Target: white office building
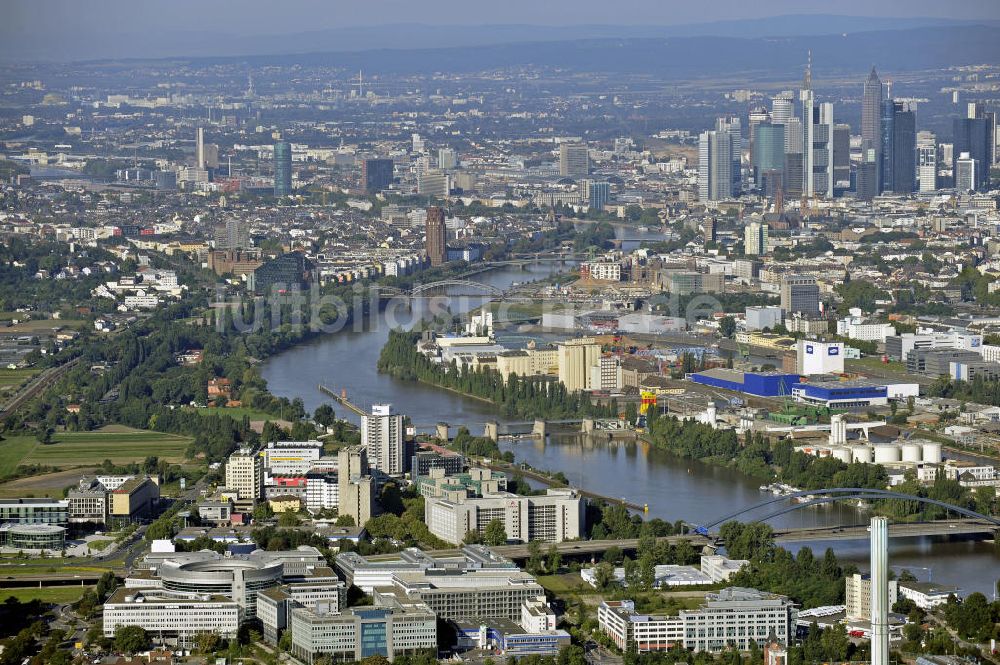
<point x="552" y="518"/>
<point x="171" y="614"/>
<point x="291" y="458"/>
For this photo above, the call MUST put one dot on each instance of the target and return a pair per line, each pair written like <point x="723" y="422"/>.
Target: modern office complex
<point x="290" y="458"/>
<point x="799" y="293"/>
<point x="368" y="573"/>
<point x="553" y="517"/>
<point x="34" y="511"/>
<point x="734" y="616"/>
<point x="245" y="474"/>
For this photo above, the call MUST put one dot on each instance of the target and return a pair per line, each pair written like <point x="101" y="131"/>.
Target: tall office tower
<point x="768" y="150"/>
<point x="975" y="136"/>
<point x="447" y="158"/>
<point x="199" y="148"/>
<point x="382" y="436"/>
<point x="731" y="125"/>
<point x="799" y="293"/>
<point x="817" y="147"/>
<point x="755" y="239"/>
<point x="715" y="166"/>
<point x="282" y="168"/>
<point x="354" y="484"/>
<point x="782" y="107"/>
<point x="573" y="159"/>
<point x="871" y="112"/>
<point x="437" y="253"/>
<point x="792" y="175"/>
<point x="927" y="162"/>
<point x="757" y="116"/>
<point x="376" y="174"/>
<point x="595" y="194"/>
<point x="418" y="143"/>
<point x="234" y="234"/>
<point x="433" y="182"/>
<point x="577" y="358"/>
<point x="711" y="232"/>
<point x="904" y="149"/>
<point x="245" y="474"/>
<point x="977" y="110"/>
<point x="841" y="157"/>
<point x="966" y="173"/>
<point x="866" y="183"/>
<point x="885" y="153"/>
<point x="879" y="560"/>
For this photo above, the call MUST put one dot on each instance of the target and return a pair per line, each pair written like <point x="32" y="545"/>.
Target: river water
<point x="673" y="488"/>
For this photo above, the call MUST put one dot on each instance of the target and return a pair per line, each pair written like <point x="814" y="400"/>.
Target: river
<point x="674" y="488"/>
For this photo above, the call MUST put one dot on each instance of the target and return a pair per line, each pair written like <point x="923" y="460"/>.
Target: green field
<point x="82" y="448"/>
<point x="12" y="450"/>
<point x="15" y="377"/>
<point x="52" y="594"/>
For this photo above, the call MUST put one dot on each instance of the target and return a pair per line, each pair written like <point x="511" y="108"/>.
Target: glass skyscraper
<point x="282" y="168"/>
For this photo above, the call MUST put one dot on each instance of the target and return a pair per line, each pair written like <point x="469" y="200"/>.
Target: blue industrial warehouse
<point x="762" y="384"/>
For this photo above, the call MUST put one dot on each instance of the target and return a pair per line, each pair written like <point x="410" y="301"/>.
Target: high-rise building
<point x="927" y="161"/>
<point x="245" y="474"/>
<point x="966" y="174"/>
<point x="977" y="110"/>
<point x="282" y="168"/>
<point x="975" y="137"/>
<point x="710" y="228"/>
<point x="782" y="107"/>
<point x="904" y="149"/>
<point x="867" y="180"/>
<point x="871" y="112"/>
<point x="382" y="436"/>
<point x="573" y="159"/>
<point x="715" y="166"/>
<point x="885" y="153"/>
<point x="768" y="149"/>
<point x="817" y="147"/>
<point x="858" y="596"/>
<point x="437" y="253"/>
<point x="731" y="125"/>
<point x="376" y="174"/>
<point x="755" y="239"/>
<point x="841" y="157"/>
<point x="433" y="182"/>
<point x="799" y="293"/>
<point x="199" y="148"/>
<point x="356" y="488"/>
<point x="596" y="194"/>
<point x="233" y="234"/>
<point x="447" y="158"/>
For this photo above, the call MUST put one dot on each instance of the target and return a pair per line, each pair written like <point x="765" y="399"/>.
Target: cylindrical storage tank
<point x="911" y="452"/>
<point x="932" y="452"/>
<point x="862" y="454"/>
<point x="887" y="453"/>
<point x="843" y="454"/>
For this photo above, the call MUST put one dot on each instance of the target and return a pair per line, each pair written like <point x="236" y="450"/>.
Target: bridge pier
<point x="538" y="429"/>
<point x="441" y="431"/>
<point x="492" y="431"/>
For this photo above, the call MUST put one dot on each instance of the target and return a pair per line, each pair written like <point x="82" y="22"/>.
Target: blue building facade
<point x="762" y="384"/>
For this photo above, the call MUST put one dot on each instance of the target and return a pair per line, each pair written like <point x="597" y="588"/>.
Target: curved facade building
<point x="33" y="537"/>
<point x="238" y="579"/>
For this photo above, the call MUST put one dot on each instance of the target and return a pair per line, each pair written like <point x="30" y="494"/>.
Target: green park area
<point x="236" y="412"/>
<point x="57" y="595"/>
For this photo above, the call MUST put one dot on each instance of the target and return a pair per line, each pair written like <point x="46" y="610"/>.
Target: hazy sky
<point x="288" y="16"/>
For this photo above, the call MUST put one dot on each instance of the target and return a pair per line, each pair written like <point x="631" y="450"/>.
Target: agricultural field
<point x="45" y="484"/>
<point x="79" y="449"/>
<point x="83" y="448"/>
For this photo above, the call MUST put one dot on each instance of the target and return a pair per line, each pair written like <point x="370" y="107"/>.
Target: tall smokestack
<point x="880" y="590"/>
<point x="200" y="148"/>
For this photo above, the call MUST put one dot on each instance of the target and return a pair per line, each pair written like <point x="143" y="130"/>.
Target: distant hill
<point x="687" y="57"/>
<point x="57" y="46"/>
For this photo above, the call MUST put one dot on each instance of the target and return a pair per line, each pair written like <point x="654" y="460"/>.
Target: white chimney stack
<point x="880" y="590"/>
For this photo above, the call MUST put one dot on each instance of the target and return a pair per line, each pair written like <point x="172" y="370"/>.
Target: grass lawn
<point x="51" y="594"/>
<point x="236" y="412"/>
<point x="14" y="449"/>
<point x="567" y="583"/>
<point x="15" y="377"/>
<point x="85" y="448"/>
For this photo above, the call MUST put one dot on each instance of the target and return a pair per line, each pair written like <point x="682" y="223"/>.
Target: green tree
<point x="495" y="533"/>
<point x="131" y="639"/>
<point x="727" y="326"/>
